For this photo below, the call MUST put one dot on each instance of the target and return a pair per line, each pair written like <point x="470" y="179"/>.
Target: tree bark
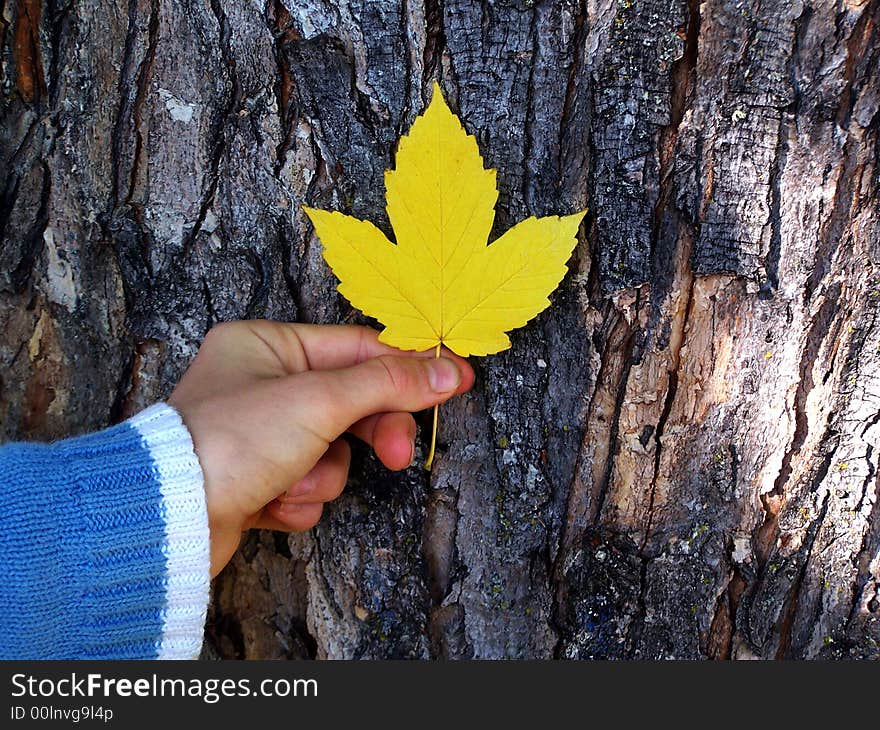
<point x="679" y="458"/>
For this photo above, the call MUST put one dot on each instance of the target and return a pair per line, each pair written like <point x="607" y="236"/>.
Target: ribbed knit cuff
<point x="104" y="544"/>
<point x="187" y="540"/>
<point x="139" y="538"/>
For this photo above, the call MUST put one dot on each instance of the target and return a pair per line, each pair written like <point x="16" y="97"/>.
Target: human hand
<point x="267" y="402"/>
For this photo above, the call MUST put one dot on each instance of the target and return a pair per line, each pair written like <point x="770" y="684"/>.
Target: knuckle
<point x="398" y="377"/>
<point x="362" y="344"/>
<point x="318" y="398"/>
<point x="322" y="391"/>
<point x="220" y="332"/>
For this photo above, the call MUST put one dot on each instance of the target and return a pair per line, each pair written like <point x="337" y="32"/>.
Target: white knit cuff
<point x="187" y="539"/>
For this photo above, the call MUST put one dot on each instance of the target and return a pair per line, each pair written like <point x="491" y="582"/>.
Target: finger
<point x="392" y="436"/>
<point x="296" y="518"/>
<point x="332" y="400"/>
<point x="326" y="347"/>
<point x="325" y="481"/>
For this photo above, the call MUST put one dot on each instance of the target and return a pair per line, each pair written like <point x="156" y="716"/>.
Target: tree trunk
<point x="679" y="458"/>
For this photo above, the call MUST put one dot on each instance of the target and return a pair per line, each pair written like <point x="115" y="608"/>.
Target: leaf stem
<point x="430" y="459"/>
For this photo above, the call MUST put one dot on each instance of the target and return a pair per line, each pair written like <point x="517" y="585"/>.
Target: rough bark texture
<point x="678" y="459"/>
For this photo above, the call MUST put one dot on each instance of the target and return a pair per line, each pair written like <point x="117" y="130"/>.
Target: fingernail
<point x="443" y="375"/>
<point x="412" y="452"/>
<point x="304" y="486"/>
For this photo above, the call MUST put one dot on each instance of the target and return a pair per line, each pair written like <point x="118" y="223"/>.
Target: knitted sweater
<point x="104" y="550"/>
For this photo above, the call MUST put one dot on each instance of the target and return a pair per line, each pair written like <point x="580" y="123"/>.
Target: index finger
<point x="327" y="346"/>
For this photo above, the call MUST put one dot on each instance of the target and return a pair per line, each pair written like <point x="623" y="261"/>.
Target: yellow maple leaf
<point x="441" y="284"/>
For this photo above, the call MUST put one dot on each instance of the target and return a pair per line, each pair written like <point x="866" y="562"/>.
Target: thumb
<point x="338" y="398"/>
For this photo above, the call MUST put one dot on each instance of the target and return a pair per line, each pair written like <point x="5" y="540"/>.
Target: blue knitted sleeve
<point x="104" y="549"/>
